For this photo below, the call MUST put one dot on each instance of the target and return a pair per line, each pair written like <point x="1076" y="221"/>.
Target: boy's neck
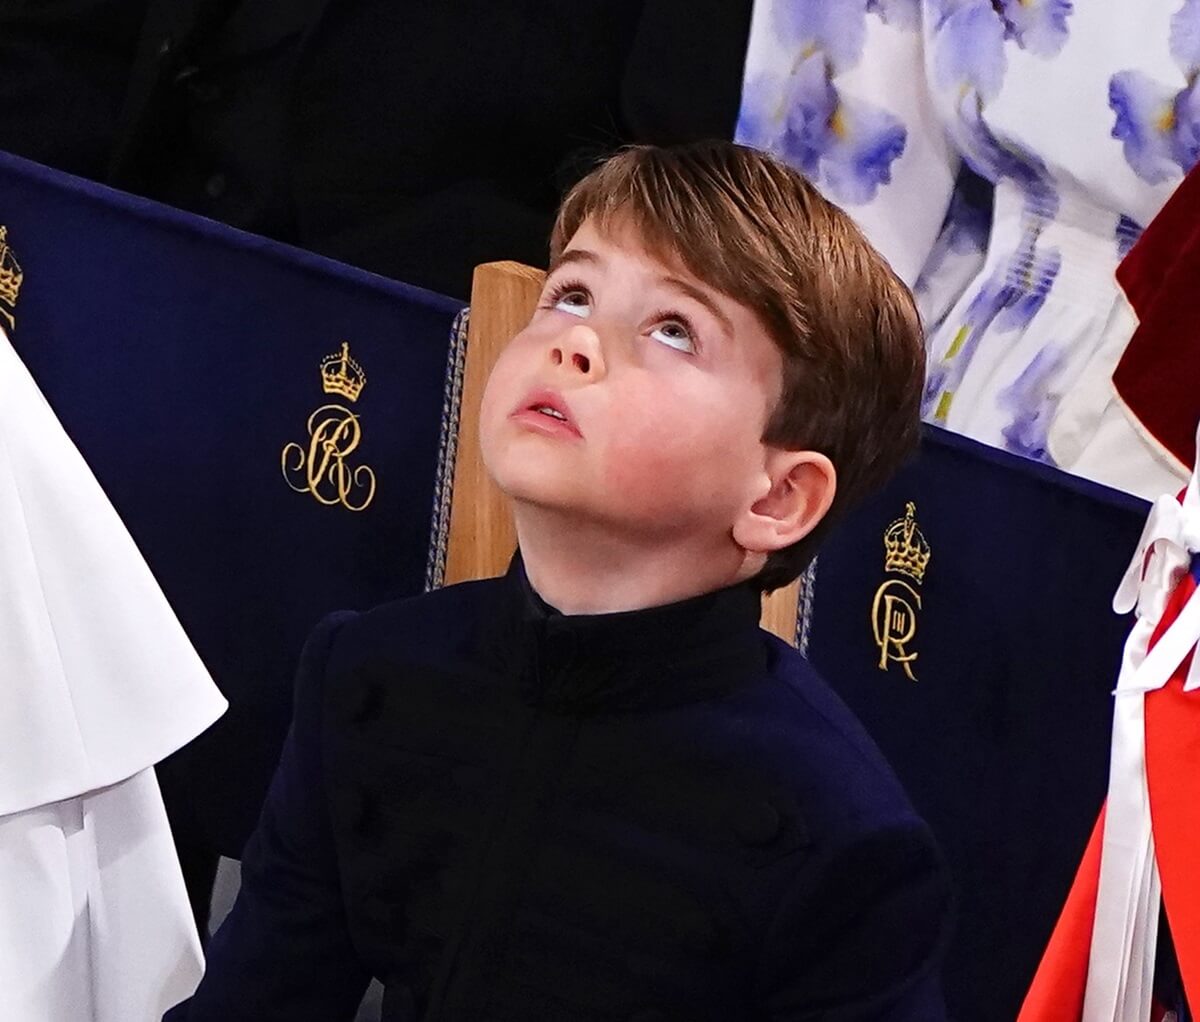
<point x="582" y="568"/>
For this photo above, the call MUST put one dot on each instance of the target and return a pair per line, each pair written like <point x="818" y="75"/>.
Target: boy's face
<point x="635" y="398"/>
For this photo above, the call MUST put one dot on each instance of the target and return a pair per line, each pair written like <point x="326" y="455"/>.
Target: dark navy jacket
<point x="505" y="813"/>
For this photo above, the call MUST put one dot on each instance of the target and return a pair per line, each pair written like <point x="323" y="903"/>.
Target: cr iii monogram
<point x="897" y="600"/>
<point x="10" y="281"/>
<point x="321" y="467"/>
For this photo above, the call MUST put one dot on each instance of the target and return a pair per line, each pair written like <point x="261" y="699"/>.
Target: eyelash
<point x="666" y="316"/>
<point x="561" y="290"/>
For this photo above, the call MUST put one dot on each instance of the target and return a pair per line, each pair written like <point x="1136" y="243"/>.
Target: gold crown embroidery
<point x="11" y="277"/>
<point x="340" y="374"/>
<point x="320" y="467"/>
<point x="894" y="609"/>
<point x="905" y="550"/>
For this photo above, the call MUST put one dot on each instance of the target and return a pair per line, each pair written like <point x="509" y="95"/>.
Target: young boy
<point x="594" y="789"/>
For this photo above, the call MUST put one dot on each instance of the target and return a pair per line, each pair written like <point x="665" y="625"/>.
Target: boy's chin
<point x="542" y="498"/>
<point x="525" y="481"/>
<point x="547" y="500"/>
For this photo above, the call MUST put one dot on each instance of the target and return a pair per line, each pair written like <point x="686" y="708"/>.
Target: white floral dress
<point x="1004" y="155"/>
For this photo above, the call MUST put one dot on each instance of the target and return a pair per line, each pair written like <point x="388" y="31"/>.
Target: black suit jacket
<point x="416" y="140"/>
<point x="508" y="814"/>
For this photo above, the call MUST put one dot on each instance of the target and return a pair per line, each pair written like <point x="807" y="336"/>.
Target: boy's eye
<point x="675" y="334"/>
<point x="574" y="301"/>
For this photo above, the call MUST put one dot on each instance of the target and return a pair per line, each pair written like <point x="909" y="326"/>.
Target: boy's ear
<point x="799" y="486"/>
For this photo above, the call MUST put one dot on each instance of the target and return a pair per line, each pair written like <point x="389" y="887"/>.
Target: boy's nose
<point x="578" y="350"/>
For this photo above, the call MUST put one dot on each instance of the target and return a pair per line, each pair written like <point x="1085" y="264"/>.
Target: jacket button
<point x="757" y="823"/>
<point x="166" y="47"/>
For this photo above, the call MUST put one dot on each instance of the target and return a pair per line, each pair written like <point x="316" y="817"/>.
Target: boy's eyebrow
<point x="698" y="295"/>
<point x="574" y="255"/>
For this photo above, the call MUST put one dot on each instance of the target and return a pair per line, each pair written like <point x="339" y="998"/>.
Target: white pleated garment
<point x="1120" y="980"/>
<point x="95" y="924"/>
<point x="97" y="683"/>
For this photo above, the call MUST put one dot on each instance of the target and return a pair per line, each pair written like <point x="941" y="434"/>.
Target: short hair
<point x="847" y="327"/>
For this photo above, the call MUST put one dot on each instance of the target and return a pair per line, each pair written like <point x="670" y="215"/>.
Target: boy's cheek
<point x="493" y="407"/>
<point x="655" y="469"/>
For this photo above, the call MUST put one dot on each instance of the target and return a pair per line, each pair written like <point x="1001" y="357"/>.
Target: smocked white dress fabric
<point x="97" y="683"/>
<point x="1076" y="120"/>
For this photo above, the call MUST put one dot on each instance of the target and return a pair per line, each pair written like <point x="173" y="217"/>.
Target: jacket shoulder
<point x="814" y="742"/>
<point x="428" y="627"/>
<point x="398" y="663"/>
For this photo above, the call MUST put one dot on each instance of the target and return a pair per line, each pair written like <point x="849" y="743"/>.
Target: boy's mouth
<point x="549" y="408"/>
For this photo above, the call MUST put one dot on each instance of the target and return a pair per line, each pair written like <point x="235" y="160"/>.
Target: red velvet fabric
<point x="1157" y="376"/>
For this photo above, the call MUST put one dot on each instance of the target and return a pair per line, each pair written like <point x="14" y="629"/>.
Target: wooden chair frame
<point x="482" y="537"/>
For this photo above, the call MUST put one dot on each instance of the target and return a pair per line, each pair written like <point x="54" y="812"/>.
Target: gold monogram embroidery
<point x="10" y="280"/>
<point x="894" y="609"/>
<point x="334" y="433"/>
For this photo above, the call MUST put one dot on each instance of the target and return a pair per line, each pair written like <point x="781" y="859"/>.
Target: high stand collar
<point x="661" y="656"/>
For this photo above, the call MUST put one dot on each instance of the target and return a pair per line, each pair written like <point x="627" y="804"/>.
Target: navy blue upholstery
<point x="183" y="357"/>
<point x="1002" y="740"/>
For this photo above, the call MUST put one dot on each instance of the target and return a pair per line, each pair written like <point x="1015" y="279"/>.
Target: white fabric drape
<point x="99" y="680"/>
<point x="97" y="683"/>
<point x="95" y="924"/>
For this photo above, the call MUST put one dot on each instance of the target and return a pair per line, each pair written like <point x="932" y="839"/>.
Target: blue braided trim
<point x="443" y="484"/>
<point x="808" y="596"/>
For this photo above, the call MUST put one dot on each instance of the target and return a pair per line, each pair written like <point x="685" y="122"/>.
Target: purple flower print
<point x="899" y="13"/>
<point x="969" y="48"/>
<point x="1185" y="37"/>
<point x="1146" y="125"/>
<point x="968" y="219"/>
<point x="1185" y="137"/>
<point x="760" y="117"/>
<point x="866" y="141"/>
<point x="1127" y="233"/>
<point x="811" y="106"/>
<point x="844" y="145"/>
<point x="943" y="376"/>
<point x="1032" y="403"/>
<point x="1030" y="276"/>
<point x="937" y="11"/>
<point x="792" y="117"/>
<point x="1158" y="125"/>
<point x="1039" y="26"/>
<point x="961" y="242"/>
<point x="994" y="160"/>
<point x="1007" y="301"/>
<point x="968" y="42"/>
<point x="836" y="28"/>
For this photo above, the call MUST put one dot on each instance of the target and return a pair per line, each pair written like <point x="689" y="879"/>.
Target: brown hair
<point x="754" y="229"/>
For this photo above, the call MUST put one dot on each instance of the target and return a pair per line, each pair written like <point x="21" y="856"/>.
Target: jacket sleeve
<point x="859" y="935"/>
<point x="284" y="952"/>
